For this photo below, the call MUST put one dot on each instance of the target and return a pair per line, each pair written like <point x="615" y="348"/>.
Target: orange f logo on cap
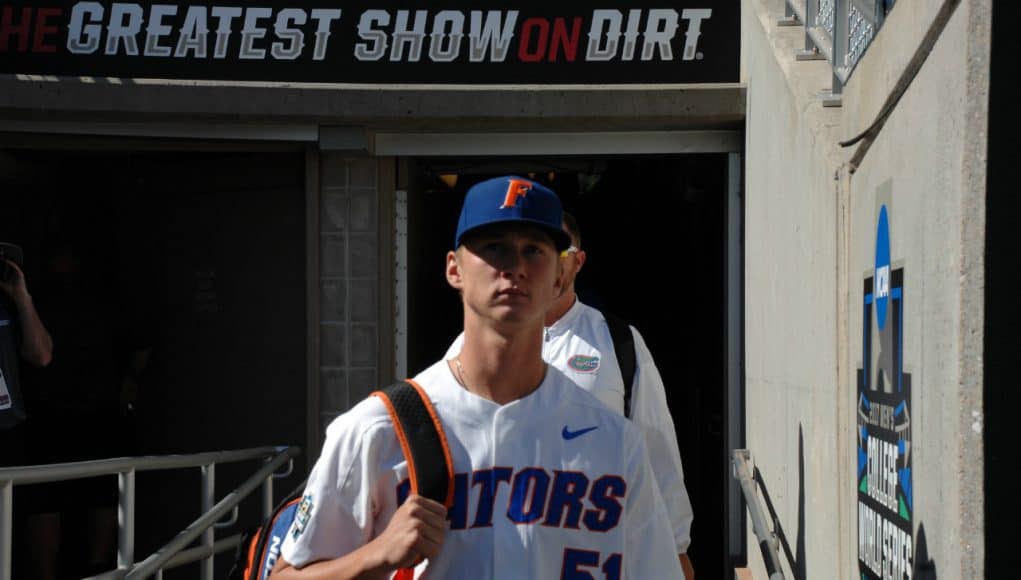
<point x="515" y="189"/>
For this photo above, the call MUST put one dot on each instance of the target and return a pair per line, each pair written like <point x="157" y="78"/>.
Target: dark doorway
<point x="1002" y="342"/>
<point x="655" y="231"/>
<point x="203" y="258"/>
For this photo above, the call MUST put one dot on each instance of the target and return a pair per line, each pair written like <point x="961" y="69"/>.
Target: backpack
<point x="260" y="547"/>
<point x="624" y="348"/>
<point x="430" y="469"/>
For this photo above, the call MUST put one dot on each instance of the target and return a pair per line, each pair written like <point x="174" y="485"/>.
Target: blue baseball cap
<point x="512" y="199"/>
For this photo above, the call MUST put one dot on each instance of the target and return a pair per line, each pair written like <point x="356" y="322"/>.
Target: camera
<point x="13" y="253"/>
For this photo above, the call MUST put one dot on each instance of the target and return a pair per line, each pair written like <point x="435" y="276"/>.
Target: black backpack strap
<point x="422" y="439"/>
<point x="624" y="348"/>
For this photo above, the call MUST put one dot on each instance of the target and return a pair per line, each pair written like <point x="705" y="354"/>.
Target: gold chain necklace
<point x="460" y="373"/>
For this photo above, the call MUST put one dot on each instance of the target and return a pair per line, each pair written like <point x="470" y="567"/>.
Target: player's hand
<point x="416" y="531"/>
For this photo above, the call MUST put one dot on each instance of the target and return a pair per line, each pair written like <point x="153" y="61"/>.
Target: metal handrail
<point x="837" y="30"/>
<point x="83" y="469"/>
<point x="126" y="467"/>
<point x="794" y="13"/>
<point x="198" y="552"/>
<point x="768" y="543"/>
<point x="208" y="519"/>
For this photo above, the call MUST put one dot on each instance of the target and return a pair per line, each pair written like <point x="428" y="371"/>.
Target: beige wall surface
<point x="929" y="157"/>
<point x="791" y="293"/>
<point x="810" y="242"/>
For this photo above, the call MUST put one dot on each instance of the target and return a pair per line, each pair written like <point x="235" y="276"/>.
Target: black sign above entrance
<point x="376" y="41"/>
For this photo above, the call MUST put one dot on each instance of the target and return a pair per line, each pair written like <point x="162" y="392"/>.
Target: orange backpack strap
<point x="424" y="444"/>
<point x="422" y="439"/>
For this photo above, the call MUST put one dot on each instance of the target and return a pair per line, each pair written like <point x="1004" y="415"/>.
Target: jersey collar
<point x="565" y="322"/>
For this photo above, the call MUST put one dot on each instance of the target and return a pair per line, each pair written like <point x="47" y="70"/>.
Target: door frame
<point x="730" y="142"/>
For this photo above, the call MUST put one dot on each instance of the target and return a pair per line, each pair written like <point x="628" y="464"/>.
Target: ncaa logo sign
<point x="882" y="288"/>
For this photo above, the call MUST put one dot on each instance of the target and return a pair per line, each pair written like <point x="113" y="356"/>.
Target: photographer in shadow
<point x="22" y="338"/>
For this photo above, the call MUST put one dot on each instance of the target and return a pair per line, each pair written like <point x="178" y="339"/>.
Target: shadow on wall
<point x="795" y="562"/>
<point x="925" y="568"/>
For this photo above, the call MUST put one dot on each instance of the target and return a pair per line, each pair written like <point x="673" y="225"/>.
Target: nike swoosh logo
<point x="568" y="435"/>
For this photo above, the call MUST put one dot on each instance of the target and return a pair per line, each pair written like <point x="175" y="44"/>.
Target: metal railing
<point x="838" y="31"/>
<point x="768" y="542"/>
<point x="173" y="553"/>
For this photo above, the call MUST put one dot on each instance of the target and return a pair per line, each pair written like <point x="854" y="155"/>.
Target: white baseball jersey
<point x="580" y="346"/>
<point x="552" y="485"/>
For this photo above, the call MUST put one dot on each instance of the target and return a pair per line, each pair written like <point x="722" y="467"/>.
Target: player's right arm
<point x="649" y="546"/>
<point x="416" y="530"/>
<point x="348" y="524"/>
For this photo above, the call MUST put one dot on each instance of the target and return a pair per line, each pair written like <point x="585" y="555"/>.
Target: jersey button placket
<point x="507" y="562"/>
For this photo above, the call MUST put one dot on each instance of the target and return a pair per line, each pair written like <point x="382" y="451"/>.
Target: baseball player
<point x="549" y="482"/>
<point x="577" y="342"/>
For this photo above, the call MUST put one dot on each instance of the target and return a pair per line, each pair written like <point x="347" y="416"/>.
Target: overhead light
<point x="449" y="178"/>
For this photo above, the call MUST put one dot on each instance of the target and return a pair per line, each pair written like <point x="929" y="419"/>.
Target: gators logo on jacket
<point x="583" y="363"/>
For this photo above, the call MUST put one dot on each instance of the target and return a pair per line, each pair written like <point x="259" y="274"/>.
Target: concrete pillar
<point x="349" y="266"/>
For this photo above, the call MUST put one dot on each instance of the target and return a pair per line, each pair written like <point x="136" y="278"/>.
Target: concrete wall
<point x="931" y="157"/>
<point x="792" y="394"/>
<point x="810" y="242"/>
<point x="48" y="104"/>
